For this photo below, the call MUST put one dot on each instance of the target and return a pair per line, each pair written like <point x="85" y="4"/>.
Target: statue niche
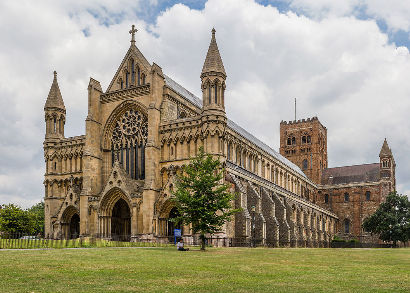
<point x="128" y="141"/>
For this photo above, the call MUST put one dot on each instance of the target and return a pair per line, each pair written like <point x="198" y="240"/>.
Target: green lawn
<point x="216" y="270"/>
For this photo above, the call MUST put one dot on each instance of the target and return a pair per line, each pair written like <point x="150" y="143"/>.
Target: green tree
<point x="14" y="219"/>
<point x="391" y="220"/>
<point x="200" y="197"/>
<point x="36" y="215"/>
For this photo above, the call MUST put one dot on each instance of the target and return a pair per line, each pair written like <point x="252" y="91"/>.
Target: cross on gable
<point x="132" y="32"/>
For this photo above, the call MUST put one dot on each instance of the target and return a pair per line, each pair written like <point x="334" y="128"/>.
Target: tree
<point x="391" y="220"/>
<point x="200" y="197"/>
<point x="36" y="214"/>
<point x="15" y="220"/>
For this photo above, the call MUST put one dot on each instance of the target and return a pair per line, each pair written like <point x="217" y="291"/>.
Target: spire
<point x="385" y="151"/>
<point x="54" y="99"/>
<point x="213" y="60"/>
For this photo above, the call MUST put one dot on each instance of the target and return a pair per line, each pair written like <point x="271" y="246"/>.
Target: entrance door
<point x="173" y="225"/>
<point x="74" y="227"/>
<point x="121" y="221"/>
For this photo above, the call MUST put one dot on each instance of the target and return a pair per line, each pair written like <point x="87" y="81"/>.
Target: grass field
<point x="216" y="270"/>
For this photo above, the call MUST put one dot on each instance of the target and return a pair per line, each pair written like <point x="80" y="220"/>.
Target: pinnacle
<point x="55" y="99"/>
<point x="385" y="151"/>
<point x="213" y="61"/>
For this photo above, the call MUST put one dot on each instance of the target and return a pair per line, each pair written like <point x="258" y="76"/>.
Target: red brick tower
<point x="304" y="142"/>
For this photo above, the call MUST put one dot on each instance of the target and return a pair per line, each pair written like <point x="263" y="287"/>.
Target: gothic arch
<point x="68" y="213"/>
<point x="110" y="199"/>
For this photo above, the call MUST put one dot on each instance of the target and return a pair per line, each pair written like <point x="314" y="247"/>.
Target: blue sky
<point x="398" y="36"/>
<point x="347" y="62"/>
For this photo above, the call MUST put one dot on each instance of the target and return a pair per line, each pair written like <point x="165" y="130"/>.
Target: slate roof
<point x="351" y="174"/>
<point x="232" y="125"/>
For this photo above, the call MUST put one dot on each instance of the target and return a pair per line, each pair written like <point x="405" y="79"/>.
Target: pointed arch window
<point x="128" y="142"/>
<point x="55" y="124"/>
<point x="126" y="79"/>
<point x="143" y="78"/>
<point x="216" y="93"/>
<point x="209" y="93"/>
<point x="132" y="72"/>
<point x="139" y="75"/>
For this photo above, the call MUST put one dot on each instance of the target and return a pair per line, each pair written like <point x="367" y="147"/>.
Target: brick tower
<point x="304" y="142"/>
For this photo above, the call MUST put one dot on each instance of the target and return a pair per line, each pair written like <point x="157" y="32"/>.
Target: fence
<point x="21" y="241"/>
<point x="355" y="244"/>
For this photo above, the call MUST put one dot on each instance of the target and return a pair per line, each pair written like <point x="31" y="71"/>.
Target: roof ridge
<point x="353" y="165"/>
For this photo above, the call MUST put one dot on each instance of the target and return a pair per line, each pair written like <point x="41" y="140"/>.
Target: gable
<point x="133" y="54"/>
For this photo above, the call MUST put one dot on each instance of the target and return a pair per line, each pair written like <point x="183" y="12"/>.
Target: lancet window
<point x="133" y="72"/>
<point x="128" y="143"/>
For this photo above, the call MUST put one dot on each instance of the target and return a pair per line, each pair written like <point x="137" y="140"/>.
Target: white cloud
<point x="340" y="68"/>
<point x="395" y="13"/>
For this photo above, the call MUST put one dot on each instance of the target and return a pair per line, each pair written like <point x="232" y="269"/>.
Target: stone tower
<point x="304" y="142"/>
<point x="387" y="166"/>
<point x="54" y="112"/>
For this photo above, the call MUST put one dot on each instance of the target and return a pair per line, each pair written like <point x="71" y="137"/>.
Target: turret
<point x="213" y="78"/>
<point x="54" y="111"/>
<point x="387" y="164"/>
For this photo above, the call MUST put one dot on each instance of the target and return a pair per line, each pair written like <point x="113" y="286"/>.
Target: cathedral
<point x="116" y="181"/>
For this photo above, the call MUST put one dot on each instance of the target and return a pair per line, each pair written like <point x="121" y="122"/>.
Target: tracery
<point x="128" y="142"/>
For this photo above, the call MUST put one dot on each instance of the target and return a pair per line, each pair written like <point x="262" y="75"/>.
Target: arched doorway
<point x="121" y="221"/>
<point x="172" y="224"/>
<point x="74" y="230"/>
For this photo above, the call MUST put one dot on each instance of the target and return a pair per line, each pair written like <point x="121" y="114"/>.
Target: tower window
<point x="291" y="140"/>
<point x="326" y="198"/>
<point x="209" y="93"/>
<point x="306" y="139"/>
<point x="126" y="79"/>
<point x="55" y="124"/>
<point x="346" y="197"/>
<point x="347" y="226"/>
<point x="367" y="195"/>
<point x="55" y="166"/>
<point x="216" y="94"/>
<point x="304" y="164"/>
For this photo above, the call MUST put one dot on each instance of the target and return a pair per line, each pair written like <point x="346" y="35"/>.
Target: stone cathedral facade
<point x="116" y="181"/>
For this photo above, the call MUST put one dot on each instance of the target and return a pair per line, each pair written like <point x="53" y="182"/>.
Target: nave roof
<point x="232" y="125"/>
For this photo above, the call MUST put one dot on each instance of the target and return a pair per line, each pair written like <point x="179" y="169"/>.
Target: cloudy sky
<point x="346" y="62"/>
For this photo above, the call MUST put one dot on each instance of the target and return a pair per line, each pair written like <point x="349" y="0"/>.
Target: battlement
<point x="300" y="120"/>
